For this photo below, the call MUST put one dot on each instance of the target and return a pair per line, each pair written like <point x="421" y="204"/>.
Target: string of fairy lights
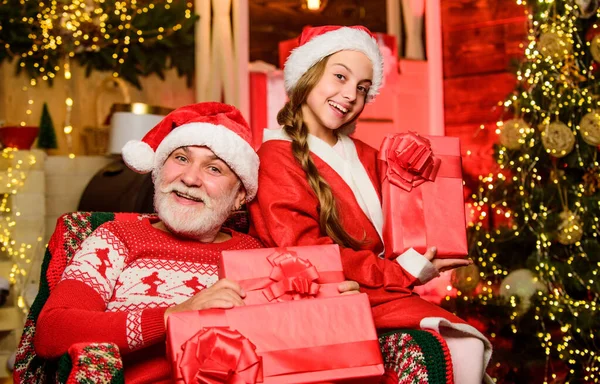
<point x="67" y="28"/>
<point x="556" y="112"/>
<point x="12" y="180"/>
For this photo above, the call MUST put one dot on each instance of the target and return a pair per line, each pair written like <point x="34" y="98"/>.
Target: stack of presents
<point x="295" y="326"/>
<point x="278" y="336"/>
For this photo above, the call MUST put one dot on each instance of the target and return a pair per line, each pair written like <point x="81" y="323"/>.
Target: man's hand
<point x="443" y="265"/>
<point x="224" y="294"/>
<point x="348" y="287"/>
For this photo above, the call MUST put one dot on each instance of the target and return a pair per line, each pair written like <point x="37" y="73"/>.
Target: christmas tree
<point x="535" y="284"/>
<point x="46" y="136"/>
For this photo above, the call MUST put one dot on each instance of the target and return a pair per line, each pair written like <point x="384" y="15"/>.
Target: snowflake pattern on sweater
<point x="134" y="267"/>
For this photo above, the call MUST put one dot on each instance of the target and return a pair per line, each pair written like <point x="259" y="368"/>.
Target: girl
<point x="319" y="186"/>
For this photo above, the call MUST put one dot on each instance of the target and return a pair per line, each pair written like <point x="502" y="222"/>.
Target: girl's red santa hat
<point x="316" y="43"/>
<point x="217" y="126"/>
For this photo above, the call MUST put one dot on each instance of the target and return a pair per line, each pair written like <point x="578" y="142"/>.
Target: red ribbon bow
<point x="295" y="277"/>
<point x="219" y="356"/>
<point x="410" y="161"/>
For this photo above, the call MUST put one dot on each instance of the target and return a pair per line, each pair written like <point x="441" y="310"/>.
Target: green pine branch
<point x="163" y="47"/>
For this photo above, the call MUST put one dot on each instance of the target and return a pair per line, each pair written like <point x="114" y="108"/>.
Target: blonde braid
<point x="290" y="117"/>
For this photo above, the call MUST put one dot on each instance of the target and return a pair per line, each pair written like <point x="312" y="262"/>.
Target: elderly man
<point x="129" y="276"/>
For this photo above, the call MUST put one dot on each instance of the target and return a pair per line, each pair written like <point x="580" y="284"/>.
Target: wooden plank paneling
<point x="457" y="14"/>
<point x="480" y="38"/>
<point x="482" y="50"/>
<point x="474" y="99"/>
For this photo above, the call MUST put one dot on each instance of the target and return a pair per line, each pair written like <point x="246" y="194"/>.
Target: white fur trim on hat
<point x="138" y="155"/>
<point x="345" y="38"/>
<point x="225" y="143"/>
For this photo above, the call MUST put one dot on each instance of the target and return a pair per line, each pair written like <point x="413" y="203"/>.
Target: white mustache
<point x="182" y="189"/>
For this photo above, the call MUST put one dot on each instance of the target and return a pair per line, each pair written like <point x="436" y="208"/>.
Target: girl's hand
<point x="348" y="287"/>
<point x="443" y="265"/>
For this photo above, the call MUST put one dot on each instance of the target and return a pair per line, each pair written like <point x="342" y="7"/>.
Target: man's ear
<point x="240" y="197"/>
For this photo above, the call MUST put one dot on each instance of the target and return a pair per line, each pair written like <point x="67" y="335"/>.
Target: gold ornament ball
<point x="589" y="127"/>
<point x="465" y="279"/>
<point x="512" y="133"/>
<point x="595" y="48"/>
<point x="558" y="139"/>
<point x="523" y="284"/>
<point x="570" y="230"/>
<point x="554" y="44"/>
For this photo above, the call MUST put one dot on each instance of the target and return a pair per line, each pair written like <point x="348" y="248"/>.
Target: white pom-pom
<point x="138" y="156"/>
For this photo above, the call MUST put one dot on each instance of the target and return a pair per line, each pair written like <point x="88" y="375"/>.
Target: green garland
<point x="132" y="39"/>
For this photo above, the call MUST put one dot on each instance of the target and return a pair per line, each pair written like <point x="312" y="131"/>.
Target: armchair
<point x="410" y="356"/>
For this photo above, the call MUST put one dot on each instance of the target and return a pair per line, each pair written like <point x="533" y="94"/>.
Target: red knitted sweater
<point x="117" y="288"/>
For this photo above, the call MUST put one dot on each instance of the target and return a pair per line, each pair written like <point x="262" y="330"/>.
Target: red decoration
<point x="478" y="324"/>
<point x="258" y="106"/>
<point x="294" y="277"/>
<point x="592" y="32"/>
<point x="219" y="355"/>
<point x="410" y="161"/>
<point x="18" y="137"/>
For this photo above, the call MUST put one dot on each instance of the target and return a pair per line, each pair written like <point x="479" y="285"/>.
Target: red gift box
<point x="282" y="274"/>
<point x="422" y="192"/>
<point x="306" y="341"/>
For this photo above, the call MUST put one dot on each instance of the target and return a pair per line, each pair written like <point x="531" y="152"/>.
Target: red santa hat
<point x="316" y="43"/>
<point x="218" y="126"/>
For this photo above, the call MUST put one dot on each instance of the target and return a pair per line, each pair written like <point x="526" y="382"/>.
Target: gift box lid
<point x="254" y="263"/>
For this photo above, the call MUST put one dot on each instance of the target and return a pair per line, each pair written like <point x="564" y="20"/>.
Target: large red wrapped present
<point x="305" y="341"/>
<point x="282" y="274"/>
<point x="422" y="191"/>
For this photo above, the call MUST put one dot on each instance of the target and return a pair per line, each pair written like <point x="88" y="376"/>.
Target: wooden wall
<point x="272" y="21"/>
<point x="480" y="40"/>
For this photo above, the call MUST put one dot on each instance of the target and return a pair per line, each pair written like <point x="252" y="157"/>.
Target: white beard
<point x="191" y="220"/>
